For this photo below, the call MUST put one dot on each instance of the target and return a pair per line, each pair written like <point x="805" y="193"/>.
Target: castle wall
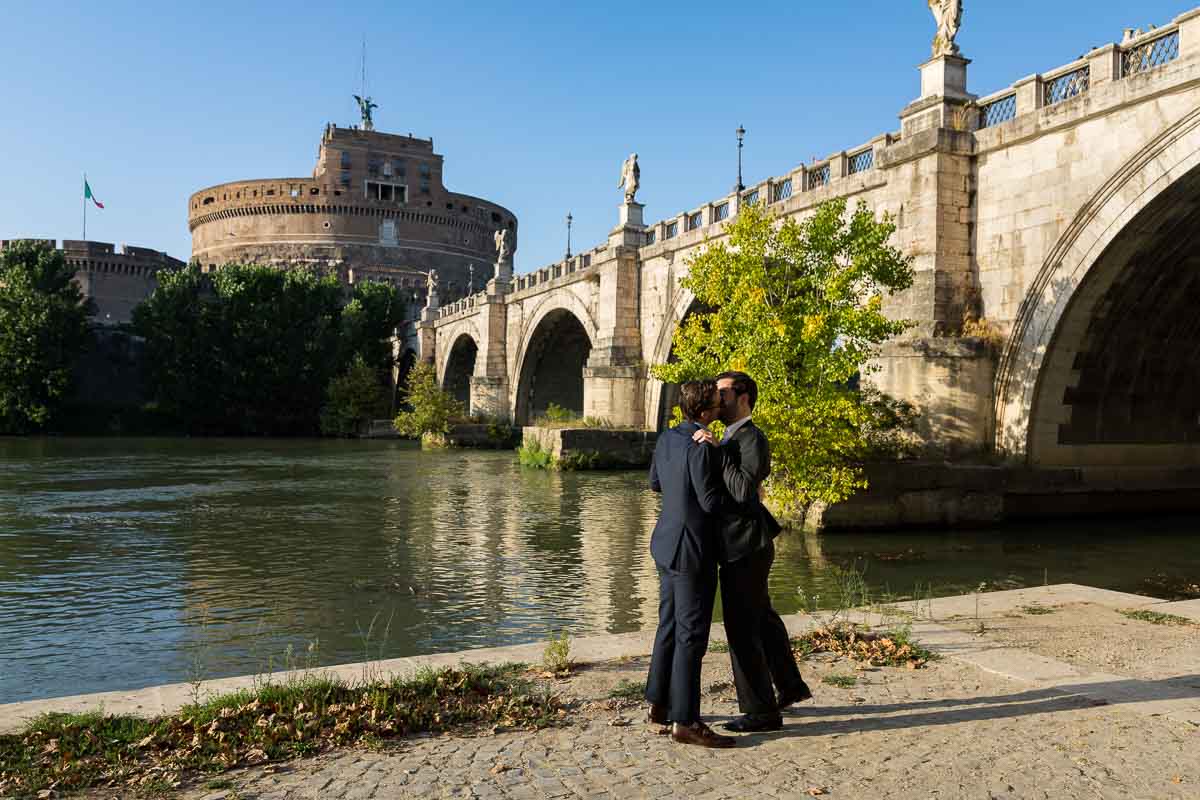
<point x="376" y="206"/>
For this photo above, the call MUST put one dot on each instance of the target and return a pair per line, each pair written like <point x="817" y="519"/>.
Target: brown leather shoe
<point x="700" y="735"/>
<point x="657" y="715"/>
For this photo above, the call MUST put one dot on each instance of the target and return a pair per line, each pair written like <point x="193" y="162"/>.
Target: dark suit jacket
<point x="746" y="525"/>
<point x="686" y="473"/>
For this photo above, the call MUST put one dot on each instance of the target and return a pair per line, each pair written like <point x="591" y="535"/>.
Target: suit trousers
<point x="685" y="610"/>
<point x="759" y="645"/>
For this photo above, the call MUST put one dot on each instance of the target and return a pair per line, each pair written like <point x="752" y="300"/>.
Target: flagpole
<point x="85" y="206"/>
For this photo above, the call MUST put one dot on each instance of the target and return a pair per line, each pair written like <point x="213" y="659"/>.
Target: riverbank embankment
<point x="946" y="625"/>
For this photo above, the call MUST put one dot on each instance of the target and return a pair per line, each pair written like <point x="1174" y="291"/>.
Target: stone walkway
<point x="988" y="720"/>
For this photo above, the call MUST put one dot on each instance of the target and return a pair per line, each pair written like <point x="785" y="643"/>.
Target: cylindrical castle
<point x="375" y="208"/>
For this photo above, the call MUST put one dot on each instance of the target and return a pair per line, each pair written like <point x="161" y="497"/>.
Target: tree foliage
<point x="252" y="349"/>
<point x="797" y="305"/>
<point x="432" y="409"/>
<point x="43" y="330"/>
<point x="353" y="399"/>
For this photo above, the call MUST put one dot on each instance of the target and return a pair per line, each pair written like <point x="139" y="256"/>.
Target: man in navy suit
<point x="684" y="547"/>
<point x="759" y="646"/>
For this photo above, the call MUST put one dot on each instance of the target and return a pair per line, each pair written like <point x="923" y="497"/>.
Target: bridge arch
<point x="555" y="345"/>
<point x="661" y="398"/>
<point x="1100" y="366"/>
<point x="460" y="366"/>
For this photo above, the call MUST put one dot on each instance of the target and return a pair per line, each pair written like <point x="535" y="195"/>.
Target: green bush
<point x="432" y="409"/>
<point x="354" y="398"/>
<point x="532" y="454"/>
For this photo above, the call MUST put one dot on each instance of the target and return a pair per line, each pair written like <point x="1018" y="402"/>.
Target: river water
<point x="132" y="562"/>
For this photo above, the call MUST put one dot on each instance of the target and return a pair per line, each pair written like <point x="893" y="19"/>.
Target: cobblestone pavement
<point x="948" y="731"/>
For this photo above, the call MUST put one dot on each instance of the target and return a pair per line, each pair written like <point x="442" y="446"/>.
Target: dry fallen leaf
<point x="816" y="791"/>
<point x="1177" y="779"/>
<point x="499" y="767"/>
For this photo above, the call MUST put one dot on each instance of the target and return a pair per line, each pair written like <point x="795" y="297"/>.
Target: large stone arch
<point x="449" y="336"/>
<point x="563" y="323"/>
<point x="1121" y="242"/>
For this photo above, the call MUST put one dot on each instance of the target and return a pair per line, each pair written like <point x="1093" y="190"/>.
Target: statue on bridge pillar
<point x="504" y="257"/>
<point x="631" y="178"/>
<point x="948" y="14"/>
<point x="431" y="287"/>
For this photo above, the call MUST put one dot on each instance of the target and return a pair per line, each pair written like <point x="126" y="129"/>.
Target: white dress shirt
<point x="732" y="428"/>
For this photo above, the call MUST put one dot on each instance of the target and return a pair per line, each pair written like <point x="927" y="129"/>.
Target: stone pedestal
<point x="498" y="287"/>
<point x="504" y="271"/>
<point x="945" y="76"/>
<point x="630" y="213"/>
<point x="631" y="232"/>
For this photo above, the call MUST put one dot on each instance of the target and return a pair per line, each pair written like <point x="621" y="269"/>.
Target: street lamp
<point x="569" y="220"/>
<point x="741" y="133"/>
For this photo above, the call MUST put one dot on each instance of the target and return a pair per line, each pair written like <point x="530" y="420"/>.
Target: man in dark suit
<point x="759" y="646"/>
<point x="684" y="549"/>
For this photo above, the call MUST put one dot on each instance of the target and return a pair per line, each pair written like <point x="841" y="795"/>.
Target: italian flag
<point x="87" y="194"/>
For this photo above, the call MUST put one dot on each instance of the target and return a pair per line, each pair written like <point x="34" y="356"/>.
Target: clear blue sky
<point x="534" y="105"/>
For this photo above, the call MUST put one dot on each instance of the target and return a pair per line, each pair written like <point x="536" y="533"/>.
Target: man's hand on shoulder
<point x="704" y="436"/>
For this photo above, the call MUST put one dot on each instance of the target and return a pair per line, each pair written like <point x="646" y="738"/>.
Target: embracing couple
<point x="713" y="519"/>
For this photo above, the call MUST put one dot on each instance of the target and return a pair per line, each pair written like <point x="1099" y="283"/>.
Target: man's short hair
<point x="742" y="384"/>
<point x="695" y="397"/>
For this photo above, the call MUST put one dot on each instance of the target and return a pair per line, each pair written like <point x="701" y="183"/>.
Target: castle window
<point x="374" y="165"/>
<point x="345" y="160"/>
<point x="208" y="201"/>
<point x="398" y="167"/>
<point x="425" y="187"/>
<point x="387" y="232"/>
<point x="345" y="179"/>
<point x="387" y="192"/>
<point x="495" y="217"/>
<point x="425" y="171"/>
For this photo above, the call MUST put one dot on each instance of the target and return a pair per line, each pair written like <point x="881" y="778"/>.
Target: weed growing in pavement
<point x="840" y="681"/>
<point x="628" y="690"/>
<point x="1154" y="617"/>
<point x="556" y="658"/>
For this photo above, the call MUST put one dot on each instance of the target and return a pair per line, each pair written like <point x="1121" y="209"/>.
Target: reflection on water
<point x="126" y="563"/>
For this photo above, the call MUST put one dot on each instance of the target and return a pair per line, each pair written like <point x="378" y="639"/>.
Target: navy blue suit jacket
<point x="688" y="475"/>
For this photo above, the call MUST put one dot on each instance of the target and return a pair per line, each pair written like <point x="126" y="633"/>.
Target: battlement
<point x="384" y="141"/>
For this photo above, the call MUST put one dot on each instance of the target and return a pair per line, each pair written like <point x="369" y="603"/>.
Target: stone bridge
<point x="1062" y="211"/>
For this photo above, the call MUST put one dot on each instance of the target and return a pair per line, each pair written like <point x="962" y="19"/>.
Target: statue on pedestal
<point x="503" y="250"/>
<point x="365" y="107"/>
<point x="431" y="285"/>
<point x="948" y="14"/>
<point x="631" y="178"/>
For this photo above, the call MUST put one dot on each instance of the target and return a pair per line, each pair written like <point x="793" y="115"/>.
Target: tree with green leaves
<point x="353" y="399"/>
<point x="252" y="349"/>
<point x="43" y="331"/>
<point x="432" y="409"/>
<point x="798" y="306"/>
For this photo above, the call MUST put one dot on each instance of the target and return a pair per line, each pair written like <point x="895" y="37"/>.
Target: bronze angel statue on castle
<point x="948" y="14"/>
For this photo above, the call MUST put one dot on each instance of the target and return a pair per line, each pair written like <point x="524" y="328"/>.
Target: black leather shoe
<point x="657" y="715"/>
<point x="797" y="695"/>
<point x="754" y="723"/>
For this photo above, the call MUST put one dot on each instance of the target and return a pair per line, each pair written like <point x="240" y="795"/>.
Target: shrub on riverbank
<point x="273" y="723"/>
<point x="432" y="410"/>
<point x="353" y="399"/>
